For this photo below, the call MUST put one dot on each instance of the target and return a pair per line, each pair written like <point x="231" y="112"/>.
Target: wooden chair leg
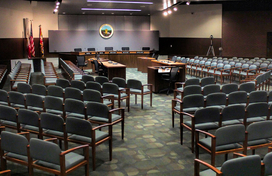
<point x="142" y="101"/>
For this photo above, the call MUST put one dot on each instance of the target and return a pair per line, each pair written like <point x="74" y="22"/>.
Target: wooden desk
<point x="143" y="63"/>
<point x="153" y="77"/>
<point x="166" y="63"/>
<point x="115" y="70"/>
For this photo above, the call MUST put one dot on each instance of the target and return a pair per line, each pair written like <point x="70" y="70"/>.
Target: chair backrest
<point x="39" y="89"/>
<point x="257" y="109"/>
<point x="86" y="78"/>
<point x="218" y="98"/>
<point x="34" y="100"/>
<point x="192" y="81"/>
<point x="91" y="95"/>
<point x="134" y="84"/>
<point x="125" y="48"/>
<point x="267" y="160"/>
<point x="195" y="100"/>
<point x="192" y="89"/>
<point x="174" y="73"/>
<point x="74" y="106"/>
<point x="247" y="86"/>
<point x="98" y="110"/>
<point x="78" y="126"/>
<point x="63" y="83"/>
<point x="77" y="49"/>
<point x="230" y="134"/>
<point x="145" y="48"/>
<point x="208" y="114"/>
<point x="28" y="117"/>
<point x="233" y="112"/>
<point x="93" y="85"/>
<point x="258" y="96"/>
<point x="121" y="82"/>
<point x="110" y="88"/>
<point x="228" y="88"/>
<point x="259" y="130"/>
<point x="16" y="97"/>
<point x="248" y="165"/>
<point x="51" y="102"/>
<point x="51" y="122"/>
<point x="55" y="91"/>
<point x="206" y="81"/>
<point x="8" y="113"/>
<point x="90" y="49"/>
<point x="78" y="84"/>
<point x="237" y="97"/>
<point x="174" y="58"/>
<point x="108" y="48"/>
<point x="38" y="148"/>
<point x="14" y="143"/>
<point x="74" y="93"/>
<point x="212" y="88"/>
<point x="24" y="88"/>
<point x="3" y="95"/>
<point x="101" y="79"/>
<point x="80" y="60"/>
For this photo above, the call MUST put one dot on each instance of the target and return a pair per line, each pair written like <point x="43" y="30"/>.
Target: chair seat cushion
<point x="33" y="108"/>
<point x="30" y="127"/>
<point x="209" y="172"/>
<point x="17" y="105"/>
<point x="256" y="119"/>
<point x="101" y="119"/>
<point x="203" y="126"/>
<point x="54" y="132"/>
<point x="72" y="114"/>
<point x="98" y="136"/>
<point x="231" y="122"/>
<point x="10" y="123"/>
<point x="71" y="159"/>
<point x="138" y="91"/>
<point x="191" y="109"/>
<point x="53" y="111"/>
<point x="207" y="143"/>
<point x="20" y="157"/>
<point x="258" y="142"/>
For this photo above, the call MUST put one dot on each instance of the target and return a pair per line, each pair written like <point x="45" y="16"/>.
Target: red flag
<point x="41" y="42"/>
<point x="31" y="47"/>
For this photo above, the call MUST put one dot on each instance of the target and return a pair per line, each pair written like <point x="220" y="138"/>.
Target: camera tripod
<point x="211" y="49"/>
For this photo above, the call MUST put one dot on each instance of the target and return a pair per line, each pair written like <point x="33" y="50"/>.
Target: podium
<point x="37" y="63"/>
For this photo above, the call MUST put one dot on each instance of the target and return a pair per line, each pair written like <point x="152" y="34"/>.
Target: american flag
<point x="41" y="42"/>
<point x="31" y="45"/>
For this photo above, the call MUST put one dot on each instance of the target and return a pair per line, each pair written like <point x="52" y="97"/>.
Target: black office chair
<point x="171" y="78"/>
<point x="91" y="49"/>
<point x="125" y="48"/>
<point x="108" y="48"/>
<point x="81" y="62"/>
<point x="100" y="69"/>
<point x="77" y="49"/>
<point x="145" y="48"/>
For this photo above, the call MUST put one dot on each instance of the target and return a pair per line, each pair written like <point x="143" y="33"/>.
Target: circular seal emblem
<point x="106" y="31"/>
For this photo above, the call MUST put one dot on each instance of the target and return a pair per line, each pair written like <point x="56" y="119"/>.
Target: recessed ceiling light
<point x="142" y="6"/>
<point x="98" y="9"/>
<point x="112" y="13"/>
<point x="103" y="13"/>
<point x="63" y="13"/>
<point x="83" y="13"/>
<point x="124" y="2"/>
<point x="89" y="5"/>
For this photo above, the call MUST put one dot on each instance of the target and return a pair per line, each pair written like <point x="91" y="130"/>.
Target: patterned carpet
<point x="150" y="147"/>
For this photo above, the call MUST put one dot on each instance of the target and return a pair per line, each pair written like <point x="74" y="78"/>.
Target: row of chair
<point x="71" y="69"/>
<point x="251" y="165"/>
<point x="212" y="117"/>
<point x="235" y="138"/>
<point x="50" y="75"/>
<point x="20" y="73"/>
<point x="73" y="129"/>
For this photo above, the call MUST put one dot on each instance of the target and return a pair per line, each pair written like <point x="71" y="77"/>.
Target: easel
<point x="211" y="49"/>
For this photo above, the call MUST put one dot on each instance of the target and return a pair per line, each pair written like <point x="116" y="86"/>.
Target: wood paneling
<point x="188" y="46"/>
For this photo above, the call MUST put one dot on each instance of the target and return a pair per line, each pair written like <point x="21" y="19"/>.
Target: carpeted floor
<point x="150" y="147"/>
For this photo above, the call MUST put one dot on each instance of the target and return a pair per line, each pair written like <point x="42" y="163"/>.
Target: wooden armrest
<point x="116" y="109"/>
<point x="55" y="140"/>
<point x="101" y="126"/>
<point x="186" y="113"/>
<point x="205" y="132"/>
<point x="198" y="161"/>
<point x="235" y="155"/>
<point x="75" y="148"/>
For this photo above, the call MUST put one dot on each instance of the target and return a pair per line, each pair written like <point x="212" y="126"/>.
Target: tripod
<point x="211" y="49"/>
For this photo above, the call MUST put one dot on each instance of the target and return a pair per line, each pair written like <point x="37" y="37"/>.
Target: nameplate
<point x="140" y="52"/>
<point x="87" y="53"/>
<point x="113" y="52"/>
<point x="125" y="52"/>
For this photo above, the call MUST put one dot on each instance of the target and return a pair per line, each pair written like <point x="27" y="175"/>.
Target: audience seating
<point x="49" y="73"/>
<point x="73" y="72"/>
<point x="20" y="73"/>
<point x="226" y="140"/>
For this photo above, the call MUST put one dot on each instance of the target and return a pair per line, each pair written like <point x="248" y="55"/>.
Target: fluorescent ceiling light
<point x="133" y="10"/>
<point x="125" y="2"/>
